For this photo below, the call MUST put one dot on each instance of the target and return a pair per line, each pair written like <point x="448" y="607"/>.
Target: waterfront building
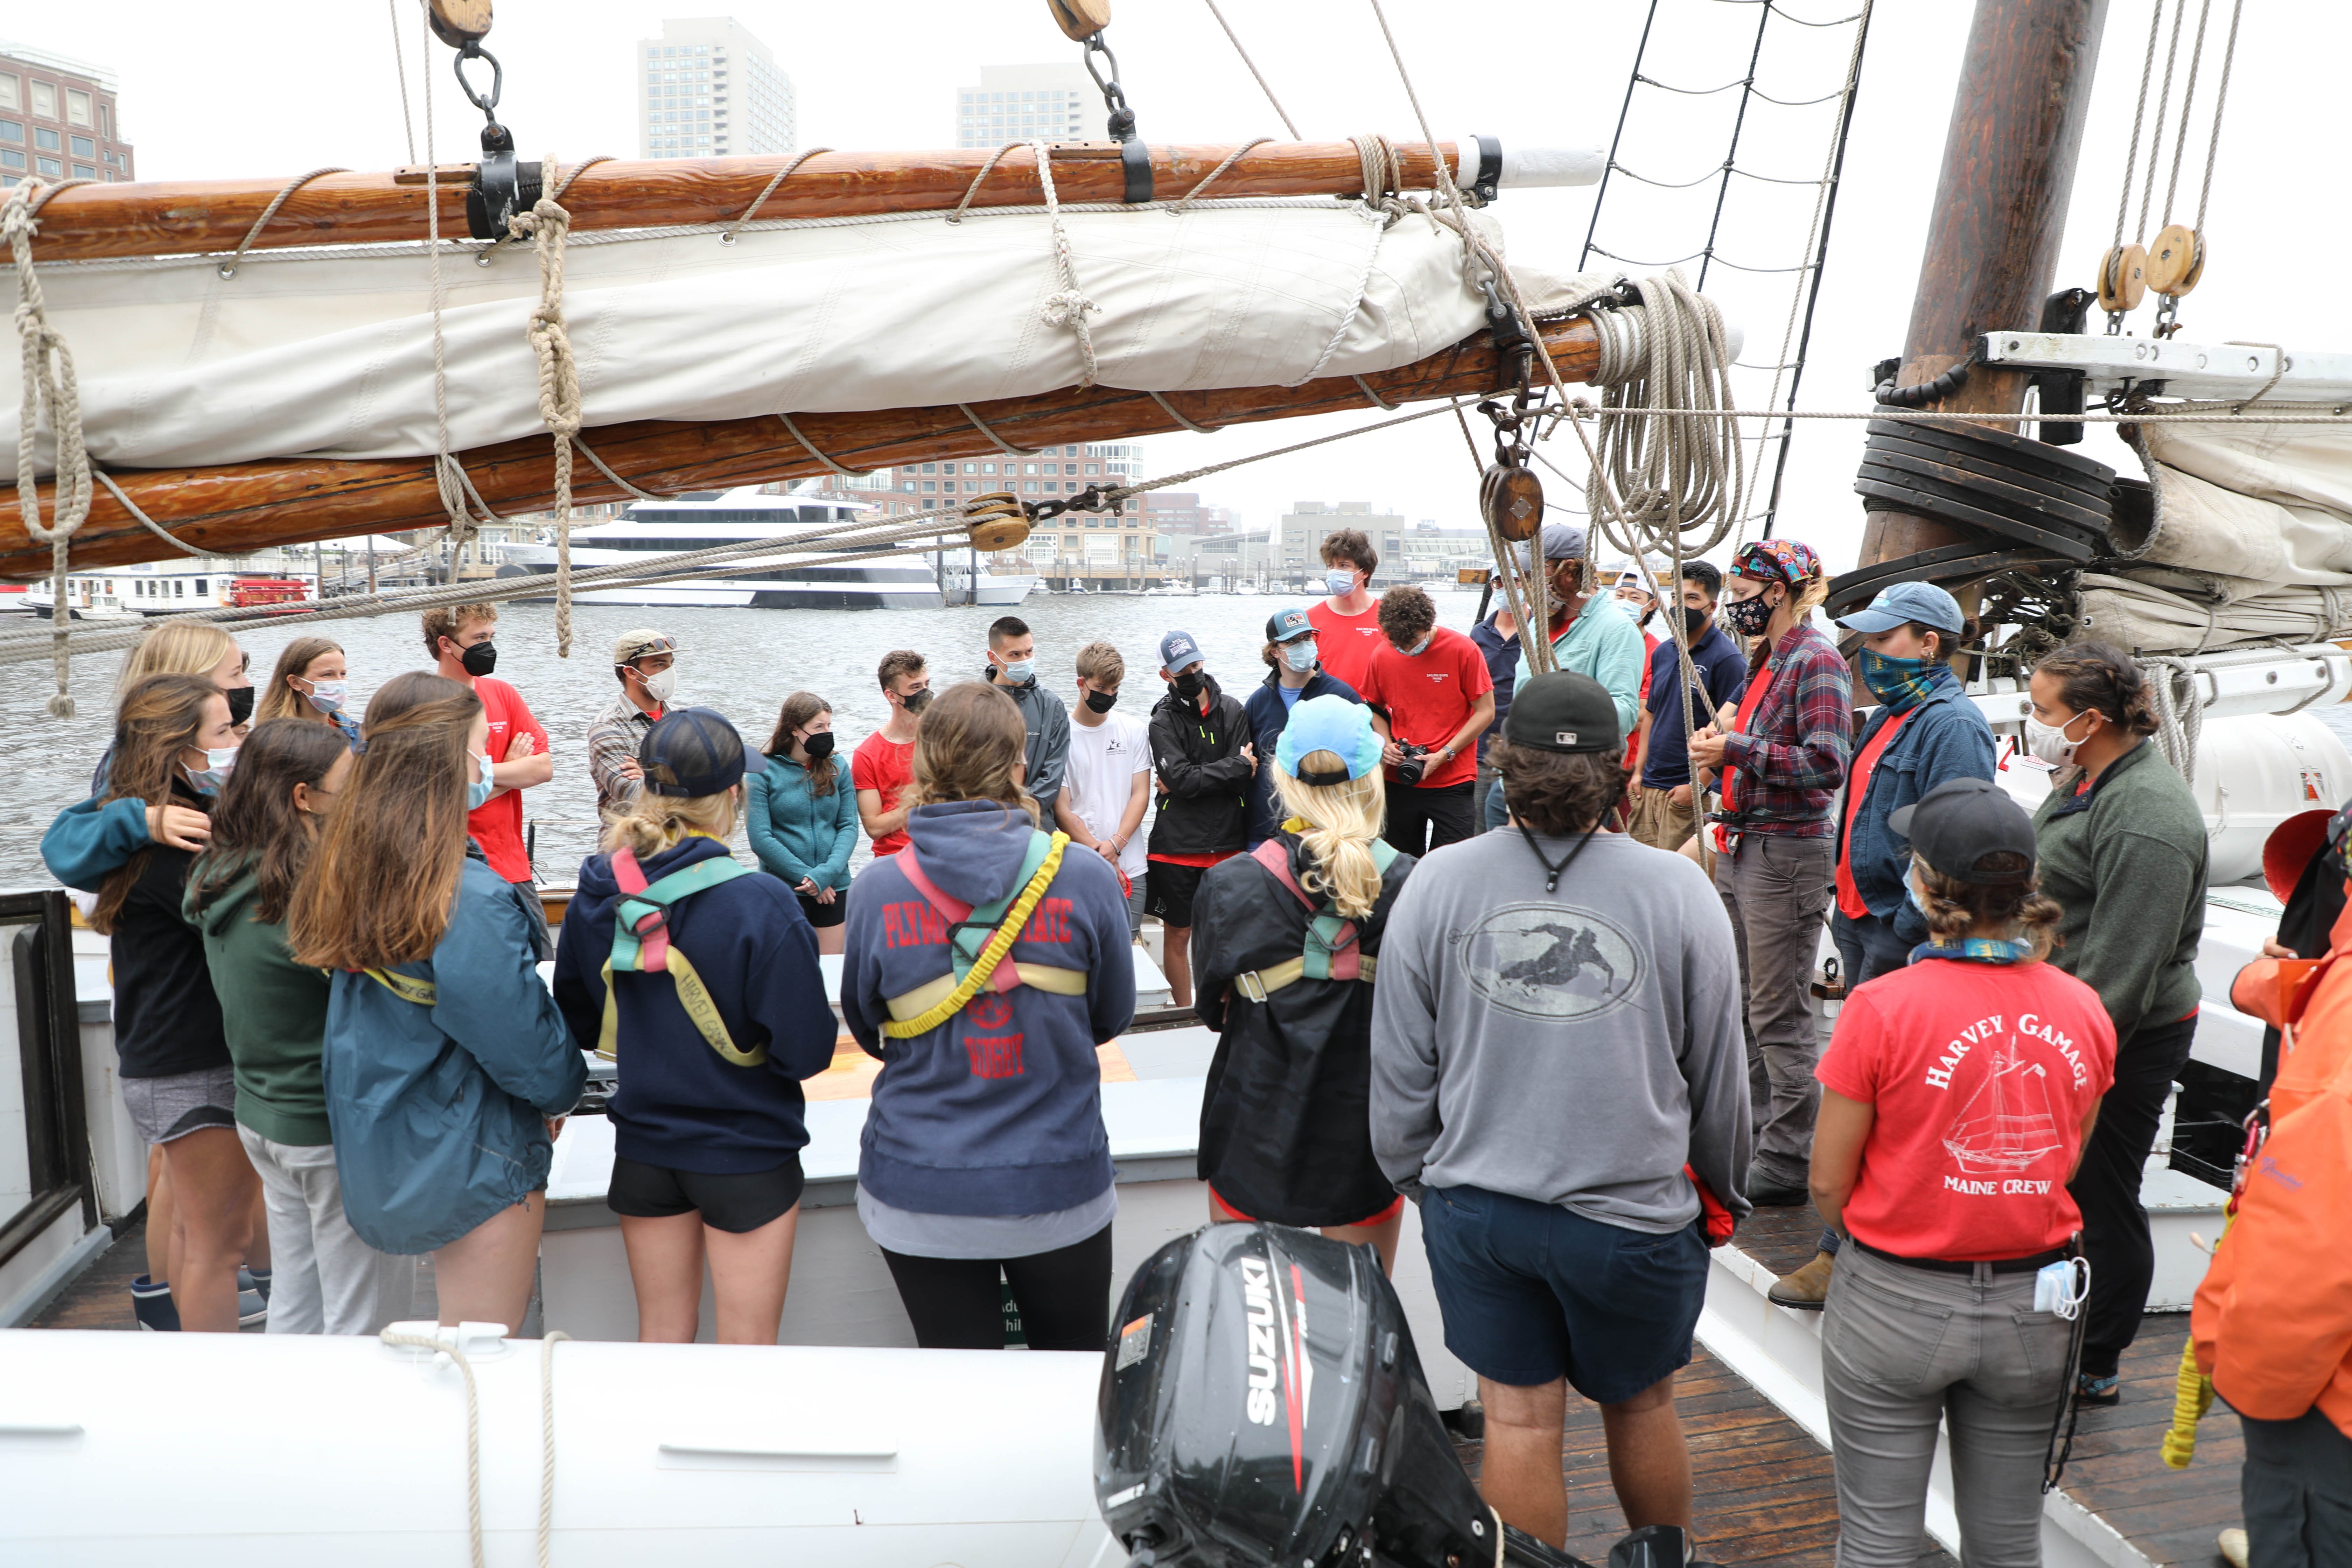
<point x="708" y="89"/>
<point x="1295" y="547"/>
<point x="1012" y="103"/>
<point x="1099" y="545"/>
<point x="60" y="118"/>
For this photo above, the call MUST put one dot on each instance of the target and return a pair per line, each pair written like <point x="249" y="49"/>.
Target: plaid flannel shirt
<point x="614" y="736"/>
<point x="1792" y="757"/>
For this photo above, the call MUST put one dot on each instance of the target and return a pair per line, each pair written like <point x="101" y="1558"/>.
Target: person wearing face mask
<point x="715" y="1020"/>
<point x="644" y="662"/>
<point x="174" y="746"/>
<point x="1666" y="813"/>
<point x="1924" y="733"/>
<point x="274" y="1010"/>
<point x="1201" y="748"/>
<point x="1428" y="683"/>
<point x="883" y="764"/>
<point x="311" y="683"/>
<point x="447" y="1068"/>
<point x="1013" y="669"/>
<point x="801" y="820"/>
<point x="1347" y="624"/>
<point x="2123" y="850"/>
<point x="1782" y="760"/>
<point x="1108" y="785"/>
<point x="1295" y="675"/>
<point x="461" y="638"/>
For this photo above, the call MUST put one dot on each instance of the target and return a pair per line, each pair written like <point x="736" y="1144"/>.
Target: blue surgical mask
<point x="1299" y="654"/>
<point x="1911" y="886"/>
<point x="327" y="696"/>
<point x="212" y="778"/>
<point x="1339" y="583"/>
<point x="477" y="794"/>
<point x="1021" y="672"/>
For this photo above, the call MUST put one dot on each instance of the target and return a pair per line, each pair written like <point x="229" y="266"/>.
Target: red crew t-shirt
<point x="497" y="826"/>
<point x="1429" y="696"/>
<point x="884" y="765"/>
<point x="1982" y="1074"/>
<point x="1344" y="645"/>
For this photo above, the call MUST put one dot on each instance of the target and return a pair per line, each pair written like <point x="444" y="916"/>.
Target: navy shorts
<point x="1532" y="1292"/>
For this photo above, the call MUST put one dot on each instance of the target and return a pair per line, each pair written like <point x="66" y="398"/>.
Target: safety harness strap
<point x="985" y="964"/>
<point x="641" y="943"/>
<point x="1330" y="951"/>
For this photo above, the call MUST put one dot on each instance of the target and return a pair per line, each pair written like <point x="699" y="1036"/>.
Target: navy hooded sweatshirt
<point x="999" y="1110"/>
<point x="680" y="1104"/>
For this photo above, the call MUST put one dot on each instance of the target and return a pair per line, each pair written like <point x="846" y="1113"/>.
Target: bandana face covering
<point x="1900" y="683"/>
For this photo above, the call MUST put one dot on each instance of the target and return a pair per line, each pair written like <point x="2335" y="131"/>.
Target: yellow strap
<point x="407" y="987"/>
<point x="692" y="996"/>
<point x="983" y="966"/>
<point x="2193" y="1392"/>
<point x="1259" y="982"/>
<point x="1037" y="976"/>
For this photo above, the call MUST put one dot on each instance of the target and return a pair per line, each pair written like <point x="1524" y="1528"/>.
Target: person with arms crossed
<point x="883" y="764"/>
<point x="1430" y="684"/>
<point x="1347" y="624"/>
<point x="646" y="663"/>
<point x="1106" y="785"/>
<point x="1667" y="813"/>
<point x="460" y="640"/>
<point x="1571" y="998"/>
<point x="1201" y="749"/>
<point x="1294" y="675"/>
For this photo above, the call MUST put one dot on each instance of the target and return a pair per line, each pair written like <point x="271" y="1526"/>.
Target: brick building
<point x="58" y="119"/>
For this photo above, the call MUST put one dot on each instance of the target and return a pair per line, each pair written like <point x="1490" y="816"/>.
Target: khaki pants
<point x="1659" y="823"/>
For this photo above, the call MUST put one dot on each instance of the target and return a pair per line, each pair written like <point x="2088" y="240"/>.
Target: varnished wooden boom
<point x="252" y="506"/>
<point x="93" y="222"/>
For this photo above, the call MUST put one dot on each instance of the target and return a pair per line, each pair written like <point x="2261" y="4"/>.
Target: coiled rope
<point x="1676" y="479"/>
<point x="49" y="386"/>
<point x="546" y="225"/>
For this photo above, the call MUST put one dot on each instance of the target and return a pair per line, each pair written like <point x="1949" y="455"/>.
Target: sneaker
<point x="1766" y="1193"/>
<point x="252" y="1305"/>
<point x="2232" y="1543"/>
<point x="152" y="1305"/>
<point x="254" y="1279"/>
<point x="2089" y="1390"/>
<point x="1808" y="1288"/>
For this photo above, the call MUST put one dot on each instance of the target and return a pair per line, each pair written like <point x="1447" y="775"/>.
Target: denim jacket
<point x="1947" y="737"/>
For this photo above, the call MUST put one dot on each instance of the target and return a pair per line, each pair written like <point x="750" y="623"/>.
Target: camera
<point x="1415" y="763"/>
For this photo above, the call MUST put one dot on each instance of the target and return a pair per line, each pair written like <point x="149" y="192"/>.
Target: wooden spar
<point x="91" y="223"/>
<point x="2000" y="211"/>
<point x="253" y="506"/>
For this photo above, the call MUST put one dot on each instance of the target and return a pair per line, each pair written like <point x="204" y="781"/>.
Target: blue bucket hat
<point x="1333" y="724"/>
<point x="1907" y="602"/>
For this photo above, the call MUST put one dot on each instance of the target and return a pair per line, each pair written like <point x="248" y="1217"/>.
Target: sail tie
<point x="50" y="385"/>
<point x="546" y="225"/>
<point x="1069" y="305"/>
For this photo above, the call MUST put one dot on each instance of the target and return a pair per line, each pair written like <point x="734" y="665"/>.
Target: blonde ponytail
<point x="652" y="823"/>
<point x="1342" y="820"/>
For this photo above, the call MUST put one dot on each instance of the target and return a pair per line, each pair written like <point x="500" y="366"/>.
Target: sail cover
<point x="330" y="354"/>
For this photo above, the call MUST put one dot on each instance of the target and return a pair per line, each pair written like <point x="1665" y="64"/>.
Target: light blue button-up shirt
<point x="1604" y="643"/>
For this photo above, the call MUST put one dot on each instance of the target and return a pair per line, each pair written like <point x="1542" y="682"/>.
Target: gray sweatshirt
<point x="1047" y="755"/>
<point x="1574" y="1049"/>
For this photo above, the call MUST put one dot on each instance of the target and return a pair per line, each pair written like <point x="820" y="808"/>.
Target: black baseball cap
<point x="1560" y="710"/>
<point x="1958" y="824"/>
<point x="691" y="752"/>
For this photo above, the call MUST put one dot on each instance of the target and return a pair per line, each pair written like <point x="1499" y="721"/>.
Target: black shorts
<point x="1168" y="893"/>
<point x="731" y="1203"/>
<point x="824" y="915"/>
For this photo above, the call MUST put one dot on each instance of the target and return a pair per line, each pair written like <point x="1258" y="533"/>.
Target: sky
<point x="200" y="100"/>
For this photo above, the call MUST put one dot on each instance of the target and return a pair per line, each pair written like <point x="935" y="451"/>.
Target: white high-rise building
<point x="708" y="88"/>
<point x="1012" y="103"/>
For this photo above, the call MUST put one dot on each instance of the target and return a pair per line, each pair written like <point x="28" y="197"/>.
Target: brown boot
<point x="1808" y="1288"/>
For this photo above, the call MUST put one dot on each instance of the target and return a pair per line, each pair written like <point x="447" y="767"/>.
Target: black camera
<point x="1415" y="763"/>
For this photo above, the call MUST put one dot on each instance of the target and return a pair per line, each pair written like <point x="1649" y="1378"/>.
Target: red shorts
<point x="1217" y="1200"/>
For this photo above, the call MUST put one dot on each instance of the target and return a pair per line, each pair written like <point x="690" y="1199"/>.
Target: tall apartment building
<point x="58" y="119"/>
<point x="1014" y="103"/>
<point x="708" y="88"/>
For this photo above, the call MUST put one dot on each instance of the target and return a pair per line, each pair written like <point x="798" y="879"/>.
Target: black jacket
<point x="1269" y="716"/>
<point x="1204" y="779"/>
<point x="1286" y="1132"/>
<point x="166" y="1018"/>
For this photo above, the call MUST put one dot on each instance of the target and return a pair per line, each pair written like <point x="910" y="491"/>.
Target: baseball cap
<point x="1285" y="625"/>
<point x="1561" y="541"/>
<point x="1960" y="822"/>
<point x="1560" y="710"/>
<point x="691" y="752"/>
<point x="635" y="645"/>
<point x="1905" y="602"/>
<point x="1177" y="650"/>
<point x="1333" y="724"/>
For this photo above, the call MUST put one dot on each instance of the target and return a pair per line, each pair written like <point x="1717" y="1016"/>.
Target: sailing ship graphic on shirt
<point x="2006" y="1125"/>
<point x="1550" y="961"/>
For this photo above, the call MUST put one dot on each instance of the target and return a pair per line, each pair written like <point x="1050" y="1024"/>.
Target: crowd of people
<point x="1538" y="954"/>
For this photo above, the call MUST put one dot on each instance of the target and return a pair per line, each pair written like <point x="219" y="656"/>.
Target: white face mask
<point x="662" y="686"/>
<point x="327" y="696"/>
<point x="2049" y="742"/>
<point x="1299" y="654"/>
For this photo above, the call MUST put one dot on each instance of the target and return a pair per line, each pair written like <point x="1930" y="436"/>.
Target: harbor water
<point x="743" y="662"/>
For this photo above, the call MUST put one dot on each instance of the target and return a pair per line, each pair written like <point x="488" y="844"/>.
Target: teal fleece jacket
<point x="799" y="835"/>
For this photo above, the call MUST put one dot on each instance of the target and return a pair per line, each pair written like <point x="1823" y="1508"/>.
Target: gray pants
<point x="2297" y="1491"/>
<point x="329" y="1281"/>
<point x="1776" y="890"/>
<point x="1902" y="1346"/>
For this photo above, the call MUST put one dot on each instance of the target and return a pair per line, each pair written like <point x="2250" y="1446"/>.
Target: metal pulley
<point x="502" y="187"/>
<point x="996" y="521"/>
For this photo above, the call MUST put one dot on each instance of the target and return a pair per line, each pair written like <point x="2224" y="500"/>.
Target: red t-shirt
<point x="1429" y="696"/>
<point x="1982" y="1074"/>
<point x="497" y="826"/>
<point x="883" y="764"/>
<point x="1344" y="645"/>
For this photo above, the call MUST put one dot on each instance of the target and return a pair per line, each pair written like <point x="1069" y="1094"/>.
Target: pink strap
<point x="653" y="946"/>
<point x="1346" y="964"/>
<point x="954" y="911"/>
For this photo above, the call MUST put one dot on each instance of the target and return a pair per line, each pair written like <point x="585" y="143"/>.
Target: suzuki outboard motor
<point x="1262" y="1405"/>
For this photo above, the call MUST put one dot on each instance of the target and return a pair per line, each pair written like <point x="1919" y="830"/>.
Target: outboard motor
<point x="1262" y="1404"/>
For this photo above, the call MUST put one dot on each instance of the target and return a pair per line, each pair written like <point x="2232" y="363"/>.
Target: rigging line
<point x="1693" y="91"/>
<point x="2188" y="97"/>
<point x="2221" y="102"/>
<point x="1616" y="139"/>
<point x="1283" y="115"/>
<point x="1629" y="261"/>
<point x="2163" y="104"/>
<point x="1769" y="179"/>
<point x="1830" y="22"/>
<point x="1715" y="173"/>
<point x="1800" y="102"/>
<point x="400" y="65"/>
<point x="2139" y="112"/>
<point x="1739" y="124"/>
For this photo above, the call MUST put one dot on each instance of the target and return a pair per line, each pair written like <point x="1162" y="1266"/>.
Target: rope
<point x="1237" y="155"/>
<point x="546" y="225"/>
<point x="1679" y="481"/>
<point x="603" y="468"/>
<point x="1383" y="173"/>
<point x="1069" y="305"/>
<point x="547" y="1445"/>
<point x="1280" y="113"/>
<point x="972" y="189"/>
<point x="766" y="191"/>
<point x="2163" y="103"/>
<point x="2221" y="103"/>
<point x="810" y="447"/>
<point x="2139" y="113"/>
<point x="1375" y="399"/>
<point x="1003" y="445"/>
<point x="228" y="268"/>
<point x="578" y="169"/>
<point x="2188" y="98"/>
<point x="1170" y="409"/>
<point x="450" y="489"/>
<point x="2179" y="714"/>
<point x="50" y="385"/>
<point x="400" y="64"/>
<point x="473" y="1431"/>
<point x="149" y="523"/>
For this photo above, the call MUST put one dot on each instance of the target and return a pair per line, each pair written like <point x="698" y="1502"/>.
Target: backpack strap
<point x="1329" y="952"/>
<point x="917" y="1012"/>
<point x="407" y="987"/>
<point x="641" y="943"/>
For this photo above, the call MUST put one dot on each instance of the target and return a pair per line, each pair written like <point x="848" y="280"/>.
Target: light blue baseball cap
<point x="1333" y="724"/>
<point x="1289" y="622"/>
<point x="1905" y="602"/>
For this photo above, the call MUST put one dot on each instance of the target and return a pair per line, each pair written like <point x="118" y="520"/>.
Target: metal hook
<point x="473" y="50"/>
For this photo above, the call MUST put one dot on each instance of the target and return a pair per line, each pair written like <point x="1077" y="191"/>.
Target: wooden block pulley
<point x="2176" y="260"/>
<point x="996" y="521"/>
<point x="2123" y="277"/>
<point x="1080" y="19"/>
<point x="457" y="23"/>
<point x="1512" y="499"/>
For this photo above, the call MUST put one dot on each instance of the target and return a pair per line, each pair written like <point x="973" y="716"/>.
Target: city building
<point x="1015" y="103"/>
<point x="1297" y="545"/>
<point x="708" y="88"/>
<point x="58" y="119"/>
<point x="1172" y="513"/>
<point x="1084" y="544"/>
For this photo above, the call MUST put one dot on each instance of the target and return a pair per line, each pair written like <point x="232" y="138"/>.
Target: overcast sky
<point x="204" y="97"/>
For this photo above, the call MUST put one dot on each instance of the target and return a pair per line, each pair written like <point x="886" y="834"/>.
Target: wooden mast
<point x="2023" y="96"/>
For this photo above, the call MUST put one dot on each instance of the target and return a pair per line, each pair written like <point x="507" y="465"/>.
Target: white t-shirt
<point x="1103" y="760"/>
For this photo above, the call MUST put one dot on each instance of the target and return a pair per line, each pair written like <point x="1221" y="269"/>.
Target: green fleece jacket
<point x="2125" y="862"/>
<point x="274" y="1013"/>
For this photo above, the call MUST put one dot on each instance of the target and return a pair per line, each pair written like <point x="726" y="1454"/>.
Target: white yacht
<point x="996" y="590"/>
<point x="167" y="587"/>
<point x="700" y="519"/>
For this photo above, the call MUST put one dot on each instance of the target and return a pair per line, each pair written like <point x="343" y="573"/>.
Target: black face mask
<point x="1189" y="685"/>
<point x="1694" y="620"/>
<point x="240" y="704"/>
<point x="916" y="702"/>
<point x="1748" y="617"/>
<point x="1102" y="701"/>
<point x="480" y="659"/>
<point x="818" y="746"/>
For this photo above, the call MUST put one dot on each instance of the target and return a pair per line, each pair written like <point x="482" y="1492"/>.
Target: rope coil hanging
<point x="50" y="387"/>
<point x="546" y="225"/>
<point x="1676" y="479"/>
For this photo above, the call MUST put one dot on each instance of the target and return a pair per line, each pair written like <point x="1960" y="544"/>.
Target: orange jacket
<point x="2273" y="1321"/>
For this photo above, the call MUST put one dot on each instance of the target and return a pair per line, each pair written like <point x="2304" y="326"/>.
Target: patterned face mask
<point x="1897" y="683"/>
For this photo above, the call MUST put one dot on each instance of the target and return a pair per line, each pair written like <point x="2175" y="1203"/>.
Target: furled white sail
<point x="330" y="354"/>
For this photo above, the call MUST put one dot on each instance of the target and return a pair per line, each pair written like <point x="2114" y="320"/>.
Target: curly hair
<point x="1559" y="793"/>
<point x="2100" y="678"/>
<point x="1957" y="907"/>
<point x="1405" y="614"/>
